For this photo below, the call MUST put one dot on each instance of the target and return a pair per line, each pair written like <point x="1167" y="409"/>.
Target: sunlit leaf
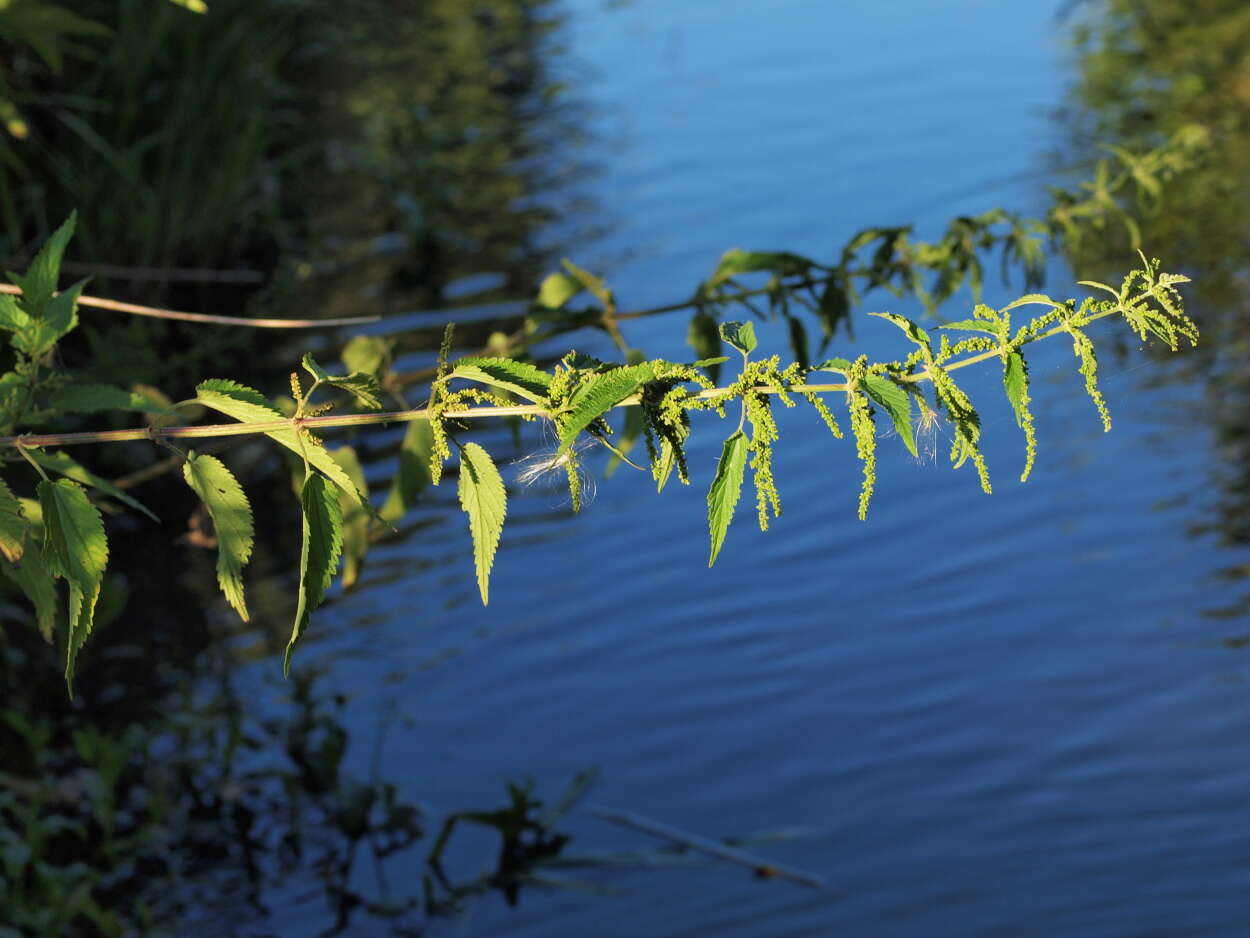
<point x="232" y="520"/>
<point x="485" y="500"/>
<point x="722" y="497"/>
<point x="519" y="378"/>
<point x="599" y="395"/>
<point x="896" y="402"/>
<point x="741" y="335"/>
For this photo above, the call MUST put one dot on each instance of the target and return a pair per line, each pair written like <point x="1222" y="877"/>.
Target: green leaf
<point x="249" y="406"/>
<point x="1040" y="299"/>
<point x="1016" y="383"/>
<point x="913" y="331"/>
<point x="557" y="289"/>
<point x="485" y="500"/>
<point x="833" y="309"/>
<point x="703" y="336"/>
<point x="896" y="402"/>
<point x="838" y="365"/>
<point x="367" y="353"/>
<point x="39" y="282"/>
<point x="798" y="341"/>
<point x="599" y="395"/>
<point x="519" y="378"/>
<point x="12" y="317"/>
<point x="322" y="543"/>
<point x="74" y="547"/>
<point x="232" y="520"/>
<point x="972" y="325"/>
<point x="741" y="335"/>
<point x="668" y="459"/>
<point x="195" y="6"/>
<point x="33" y="578"/>
<point x="92" y="398"/>
<point x="13" y="525"/>
<point x="736" y="261"/>
<point x="355" y="518"/>
<point x="362" y="386"/>
<point x="413" y="474"/>
<point x="722" y="497"/>
<point x="67" y="466"/>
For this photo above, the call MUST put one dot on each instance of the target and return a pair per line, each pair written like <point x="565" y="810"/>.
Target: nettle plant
<point x="59" y="534"/>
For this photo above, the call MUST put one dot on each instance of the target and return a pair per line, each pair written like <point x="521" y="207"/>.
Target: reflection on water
<point x="1146" y="71"/>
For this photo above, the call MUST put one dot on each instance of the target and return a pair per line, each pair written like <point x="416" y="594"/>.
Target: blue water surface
<point x="984" y="715"/>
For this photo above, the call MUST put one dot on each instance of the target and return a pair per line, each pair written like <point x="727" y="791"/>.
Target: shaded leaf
<point x="232" y="520"/>
<point x="703" y="336"/>
<point x="74" y="547"/>
<point x="723" y="495"/>
<point x="361" y="385"/>
<point x="13" y="525"/>
<point x="413" y="474"/>
<point x="368" y="353"/>
<point x="321" y="528"/>
<point x="736" y="261"/>
<point x="67" y="466"/>
<point x="39" y="282"/>
<point x="355" y="518"/>
<point x="485" y="500"/>
<point x="34" y="579"/>
<point x="92" y="398"/>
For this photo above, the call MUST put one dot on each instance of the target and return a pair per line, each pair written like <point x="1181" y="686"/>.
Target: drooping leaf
<point x="668" y="459"/>
<point x="67" y="466"/>
<point x="13" y="525"/>
<point x="896" y="402"/>
<point x="413" y="473"/>
<point x="722" y="496"/>
<point x="361" y="385"/>
<point x="355" y="518"/>
<point x="74" y="547"/>
<point x="798" y="340"/>
<point x="599" y="395"/>
<point x="249" y="406"/>
<point x="1016" y="384"/>
<point x="520" y="378"/>
<point x="557" y="289"/>
<point x="321" y="527"/>
<point x="833" y="309"/>
<point x="93" y="398"/>
<point x="485" y="500"/>
<point x="741" y="335"/>
<point x="32" y="577"/>
<point x="232" y="520"/>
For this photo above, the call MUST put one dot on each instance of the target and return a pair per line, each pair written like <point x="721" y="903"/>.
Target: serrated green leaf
<point x="321" y="528"/>
<point x="1032" y="299"/>
<point x="722" y="496"/>
<point x="12" y="317"/>
<point x="703" y="336"/>
<point x="67" y="466"/>
<point x="355" y="518"/>
<point x="368" y="353"/>
<point x="413" y="473"/>
<point x="92" y="398"/>
<point x="741" y="335"/>
<point x="668" y="459"/>
<point x="896" y="402"/>
<point x="39" y="282"/>
<point x="910" y="329"/>
<point x="1016" y="384"/>
<point x="74" y="547"/>
<point x="557" y="289"/>
<point x="232" y="520"/>
<point x="485" y="500"/>
<point x="13" y="525"/>
<point x="599" y="395"/>
<point x="33" y="578"/>
<point x="249" y="406"/>
<point x="520" y="378"/>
